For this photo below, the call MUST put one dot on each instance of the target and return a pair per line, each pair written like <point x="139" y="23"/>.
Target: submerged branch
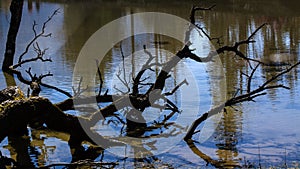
<point x="17" y="114"/>
<point x="249" y="96"/>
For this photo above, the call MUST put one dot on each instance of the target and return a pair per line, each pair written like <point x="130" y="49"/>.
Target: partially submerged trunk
<point x="17" y="112"/>
<point x="16" y="8"/>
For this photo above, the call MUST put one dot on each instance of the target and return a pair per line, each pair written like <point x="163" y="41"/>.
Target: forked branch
<point x="249" y="96"/>
<point x="40" y="53"/>
<point x="196" y="8"/>
<point x="38" y="35"/>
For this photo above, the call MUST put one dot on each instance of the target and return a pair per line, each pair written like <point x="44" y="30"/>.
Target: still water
<point x="263" y="132"/>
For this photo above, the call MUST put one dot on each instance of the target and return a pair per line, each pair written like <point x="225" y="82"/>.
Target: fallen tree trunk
<point x="16" y="113"/>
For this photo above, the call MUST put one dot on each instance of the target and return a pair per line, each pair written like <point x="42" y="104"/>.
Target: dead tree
<point x="18" y="111"/>
<point x="16" y="9"/>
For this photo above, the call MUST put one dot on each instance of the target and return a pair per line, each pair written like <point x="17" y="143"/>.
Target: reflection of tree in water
<point x="227" y="135"/>
<point x="30" y="5"/>
<point x="18" y="147"/>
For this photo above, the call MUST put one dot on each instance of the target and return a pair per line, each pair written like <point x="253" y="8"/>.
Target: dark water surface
<point x="266" y="131"/>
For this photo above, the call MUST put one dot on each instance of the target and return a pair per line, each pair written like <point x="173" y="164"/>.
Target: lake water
<point x="263" y="132"/>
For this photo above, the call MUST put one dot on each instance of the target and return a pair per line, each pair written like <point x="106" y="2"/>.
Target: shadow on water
<point x="270" y="124"/>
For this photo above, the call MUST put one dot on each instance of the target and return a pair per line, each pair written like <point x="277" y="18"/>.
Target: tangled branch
<point x="38" y="35"/>
<point x="249" y="96"/>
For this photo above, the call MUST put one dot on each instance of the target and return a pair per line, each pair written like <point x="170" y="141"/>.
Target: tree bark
<point x="16" y="8"/>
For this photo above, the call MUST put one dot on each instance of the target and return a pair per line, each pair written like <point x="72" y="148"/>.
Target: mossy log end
<point x="11" y="93"/>
<point x="16" y="113"/>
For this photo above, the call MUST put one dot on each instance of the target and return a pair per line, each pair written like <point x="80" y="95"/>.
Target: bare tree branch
<point x="36" y="36"/>
<point x="56" y="88"/>
<point x="177" y="87"/>
<point x="250" y="78"/>
<point x="249" y="96"/>
<point x="147" y="65"/>
<point x="195" y="8"/>
<point x="38" y="57"/>
<point x="100" y="77"/>
<point x="222" y="49"/>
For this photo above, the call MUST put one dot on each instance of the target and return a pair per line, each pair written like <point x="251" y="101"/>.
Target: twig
<point x="100" y="77"/>
<point x="233" y="48"/>
<point x="44" y="75"/>
<point x="36" y="36"/>
<point x="123" y="93"/>
<point x="123" y="61"/>
<point x="147" y="65"/>
<point x="29" y="73"/>
<point x="57" y="89"/>
<point x="280" y="74"/>
<point x="251" y="36"/>
<point x="79" y="90"/>
<point x="250" y="78"/>
<point x="40" y="54"/>
<point x="177" y="87"/>
<point x="123" y="81"/>
<point x="195" y="8"/>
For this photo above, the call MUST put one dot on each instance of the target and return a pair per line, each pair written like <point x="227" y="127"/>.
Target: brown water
<point x="265" y="131"/>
